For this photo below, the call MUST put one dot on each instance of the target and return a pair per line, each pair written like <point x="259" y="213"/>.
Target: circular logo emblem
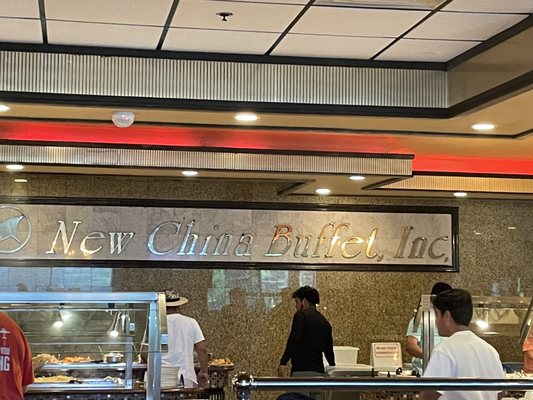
<point x="15" y="229"/>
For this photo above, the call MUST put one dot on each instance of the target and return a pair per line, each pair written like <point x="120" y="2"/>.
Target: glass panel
<point x="501" y="316"/>
<point x="83" y="332"/>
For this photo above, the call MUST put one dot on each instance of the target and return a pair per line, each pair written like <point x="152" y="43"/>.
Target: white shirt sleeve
<point x="198" y="336"/>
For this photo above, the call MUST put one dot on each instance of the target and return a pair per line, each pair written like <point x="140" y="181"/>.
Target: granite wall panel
<point x="246" y="314"/>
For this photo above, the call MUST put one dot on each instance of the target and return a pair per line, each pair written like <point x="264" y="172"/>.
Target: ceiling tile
<point x="215" y="41"/>
<point x="465" y="26"/>
<point x="491" y="6"/>
<point x="106" y="35"/>
<point x="357" y="21"/>
<point x="20" y="30"/>
<point x="139" y="12"/>
<point x="330" y="46"/>
<point x="19" y="8"/>
<point x="383" y="4"/>
<point x="255" y="17"/>
<point x="289" y="2"/>
<point x="425" y="50"/>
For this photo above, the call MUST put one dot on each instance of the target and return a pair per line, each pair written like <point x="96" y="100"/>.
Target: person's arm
<point x="203" y="358"/>
<point x="413" y="348"/>
<point x="328" y="352"/>
<point x="144" y="352"/>
<point x="295" y="336"/>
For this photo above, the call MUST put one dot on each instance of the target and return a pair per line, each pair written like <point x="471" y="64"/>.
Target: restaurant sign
<point x="236" y="236"/>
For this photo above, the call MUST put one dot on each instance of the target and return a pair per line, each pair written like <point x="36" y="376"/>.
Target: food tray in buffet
<point x="91" y="365"/>
<point x="50" y="362"/>
<point x="87" y="341"/>
<point x="64" y="381"/>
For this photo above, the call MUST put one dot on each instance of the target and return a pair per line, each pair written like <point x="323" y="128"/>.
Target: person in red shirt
<point x="527" y="349"/>
<point x="16" y="371"/>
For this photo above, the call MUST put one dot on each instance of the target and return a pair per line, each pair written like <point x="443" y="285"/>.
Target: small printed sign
<point x="386" y="356"/>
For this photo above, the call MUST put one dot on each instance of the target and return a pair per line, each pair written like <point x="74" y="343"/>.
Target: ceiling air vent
<point x="387" y="4"/>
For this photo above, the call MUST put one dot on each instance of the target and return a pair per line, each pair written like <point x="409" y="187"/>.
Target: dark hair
<point x="308" y="293"/>
<point x="440" y="287"/>
<point x="458" y="302"/>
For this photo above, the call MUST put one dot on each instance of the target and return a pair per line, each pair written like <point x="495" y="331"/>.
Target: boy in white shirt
<point x="463" y="354"/>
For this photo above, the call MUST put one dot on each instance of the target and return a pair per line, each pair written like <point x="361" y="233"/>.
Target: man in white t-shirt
<point x="463" y="354"/>
<point x="184" y="336"/>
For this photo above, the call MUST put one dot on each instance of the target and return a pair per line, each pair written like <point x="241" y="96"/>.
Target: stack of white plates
<point x="169" y="376"/>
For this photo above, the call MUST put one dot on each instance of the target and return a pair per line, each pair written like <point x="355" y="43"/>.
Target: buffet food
<point x="221" y="362"/>
<point x="45" y="358"/>
<point x="74" y="359"/>
<point x="51" y="359"/>
<point x="54" y="379"/>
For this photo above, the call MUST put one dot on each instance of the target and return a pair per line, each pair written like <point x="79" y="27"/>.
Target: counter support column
<point x="242" y="384"/>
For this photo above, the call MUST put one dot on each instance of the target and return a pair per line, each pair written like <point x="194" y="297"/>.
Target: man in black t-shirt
<point x="310" y="337"/>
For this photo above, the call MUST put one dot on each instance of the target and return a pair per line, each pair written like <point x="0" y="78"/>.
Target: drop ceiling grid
<point x="256" y="17"/>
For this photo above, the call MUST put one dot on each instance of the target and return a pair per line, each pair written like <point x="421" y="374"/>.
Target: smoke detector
<point x="123" y="119"/>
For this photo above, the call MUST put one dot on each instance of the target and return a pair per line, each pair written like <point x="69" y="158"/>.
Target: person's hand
<point x="203" y="378"/>
<point x="283" y="371"/>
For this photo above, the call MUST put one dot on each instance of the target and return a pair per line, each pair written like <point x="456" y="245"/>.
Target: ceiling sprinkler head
<point x="225" y="15"/>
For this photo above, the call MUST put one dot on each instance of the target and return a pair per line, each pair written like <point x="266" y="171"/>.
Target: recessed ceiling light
<point x="483" y="127"/>
<point x="246" y="117"/>
<point x="460" y="194"/>
<point x="20" y="180"/>
<point x="14" y="167"/>
<point x="477" y="233"/>
<point x="189" y="172"/>
<point x="4" y="108"/>
<point x="511" y="228"/>
<point x="323" y="191"/>
<point x="357" y="178"/>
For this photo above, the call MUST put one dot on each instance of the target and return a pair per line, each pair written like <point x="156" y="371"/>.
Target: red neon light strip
<point x="229" y="138"/>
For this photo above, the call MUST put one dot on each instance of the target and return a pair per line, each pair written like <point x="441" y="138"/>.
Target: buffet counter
<point x="88" y="342"/>
<point x="137" y="393"/>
